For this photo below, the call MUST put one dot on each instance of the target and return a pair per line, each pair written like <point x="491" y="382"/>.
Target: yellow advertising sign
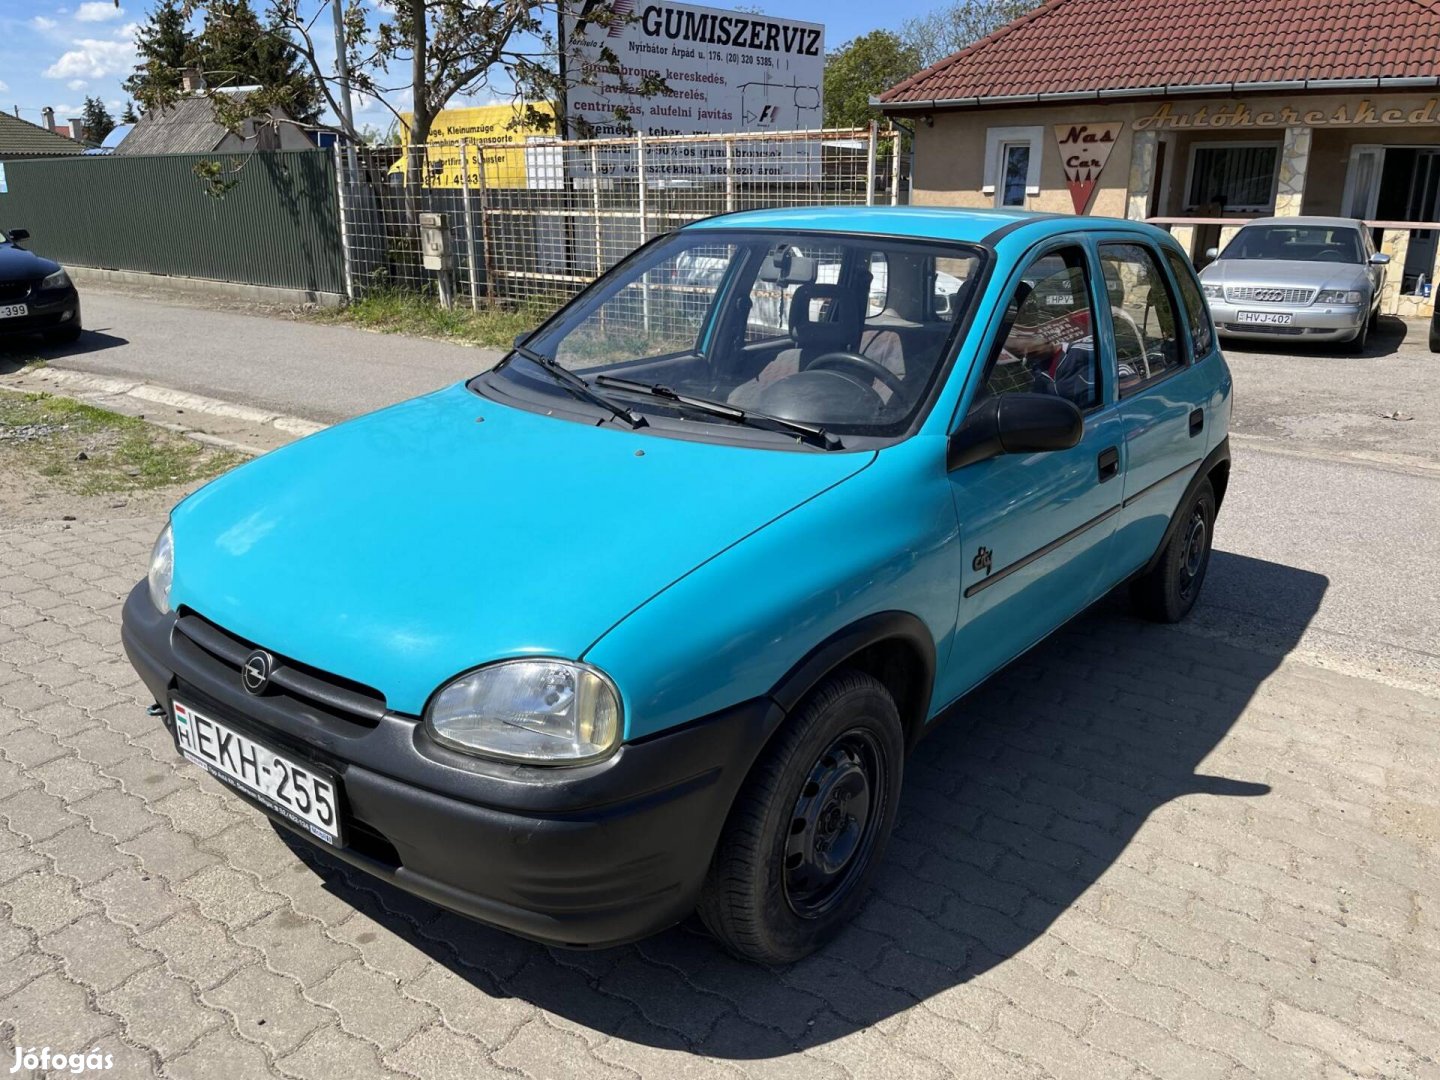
<point x="488" y="128"/>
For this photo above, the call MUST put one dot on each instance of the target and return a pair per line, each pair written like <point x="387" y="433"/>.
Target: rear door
<point x="1162" y="395"/>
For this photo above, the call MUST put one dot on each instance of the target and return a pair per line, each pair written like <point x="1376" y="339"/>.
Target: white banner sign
<point x="726" y="72"/>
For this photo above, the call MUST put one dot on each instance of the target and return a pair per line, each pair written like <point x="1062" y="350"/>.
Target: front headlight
<point x="535" y="711"/>
<point x="1215" y="292"/>
<point x="58" y="280"/>
<point x="162" y="570"/>
<point x="1339" y="296"/>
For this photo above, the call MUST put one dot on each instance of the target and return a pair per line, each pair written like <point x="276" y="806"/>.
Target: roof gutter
<point x="1229" y="89"/>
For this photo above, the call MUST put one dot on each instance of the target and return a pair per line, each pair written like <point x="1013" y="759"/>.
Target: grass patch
<point x="493" y="327"/>
<point x="85" y="450"/>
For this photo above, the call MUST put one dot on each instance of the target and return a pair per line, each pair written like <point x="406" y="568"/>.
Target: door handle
<point x="1197" y="422"/>
<point x="1109" y="462"/>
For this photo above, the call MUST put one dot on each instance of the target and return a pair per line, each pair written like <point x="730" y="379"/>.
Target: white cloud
<point x="42" y="23"/>
<point x="93" y="59"/>
<point x="98" y="11"/>
<point x="77" y="84"/>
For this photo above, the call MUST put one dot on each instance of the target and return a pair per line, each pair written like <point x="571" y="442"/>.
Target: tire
<point x="1169" y="590"/>
<point x="794" y="863"/>
<point x="1434" y="336"/>
<point x="65" y="336"/>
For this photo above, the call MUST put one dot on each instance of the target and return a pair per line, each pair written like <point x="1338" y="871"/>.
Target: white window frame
<point x="1232" y="144"/>
<point x="996" y="139"/>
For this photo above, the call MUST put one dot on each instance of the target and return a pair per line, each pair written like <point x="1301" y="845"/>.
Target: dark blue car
<point x="36" y="295"/>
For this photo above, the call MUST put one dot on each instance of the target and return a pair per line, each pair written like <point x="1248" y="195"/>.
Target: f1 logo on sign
<point x="1084" y="150"/>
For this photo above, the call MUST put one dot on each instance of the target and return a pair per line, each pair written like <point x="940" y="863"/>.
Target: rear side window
<point x="1147" y="346"/>
<point x="1197" y="313"/>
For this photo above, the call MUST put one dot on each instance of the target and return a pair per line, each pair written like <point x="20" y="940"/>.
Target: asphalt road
<point x="1328" y="496"/>
<point x="312" y="370"/>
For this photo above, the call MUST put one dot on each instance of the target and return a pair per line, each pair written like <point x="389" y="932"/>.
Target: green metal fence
<point x="267" y="218"/>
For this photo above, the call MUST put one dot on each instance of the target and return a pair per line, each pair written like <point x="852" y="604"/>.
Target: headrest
<point x="825" y="316"/>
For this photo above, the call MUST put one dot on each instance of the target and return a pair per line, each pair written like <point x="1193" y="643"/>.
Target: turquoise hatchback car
<point x="646" y="618"/>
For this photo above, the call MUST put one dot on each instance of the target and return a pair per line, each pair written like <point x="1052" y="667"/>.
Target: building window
<point x="1233" y="177"/>
<point x="1012" y="164"/>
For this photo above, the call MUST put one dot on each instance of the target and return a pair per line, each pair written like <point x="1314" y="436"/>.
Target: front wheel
<point x="1356" y="345"/>
<point x="810" y="826"/>
<point x="1168" y="591"/>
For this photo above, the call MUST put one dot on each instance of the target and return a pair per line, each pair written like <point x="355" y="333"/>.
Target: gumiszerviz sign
<point x="1084" y="150"/>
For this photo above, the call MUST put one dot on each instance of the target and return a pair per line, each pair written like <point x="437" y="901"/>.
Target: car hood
<point x="17" y="264"/>
<point x="1280" y="273"/>
<point x="409" y="545"/>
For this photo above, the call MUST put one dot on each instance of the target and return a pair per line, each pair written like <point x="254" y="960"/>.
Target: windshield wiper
<point x="579" y="387"/>
<point x="810" y="433"/>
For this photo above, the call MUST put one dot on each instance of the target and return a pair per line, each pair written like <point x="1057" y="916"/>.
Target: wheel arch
<point x="895" y="647"/>
<point x="1216" y="469"/>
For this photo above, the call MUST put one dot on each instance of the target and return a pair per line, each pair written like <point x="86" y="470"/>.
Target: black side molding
<point x="1039" y="553"/>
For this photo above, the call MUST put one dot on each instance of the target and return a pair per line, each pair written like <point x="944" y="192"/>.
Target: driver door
<point x="1036" y="528"/>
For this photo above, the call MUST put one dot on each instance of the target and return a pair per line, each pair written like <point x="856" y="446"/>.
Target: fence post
<point x="644" y="231"/>
<point x="870" y="165"/>
<point x="486" y="255"/>
<point x="729" y="176"/>
<point x="896" y="139"/>
<point x="469" y="219"/>
<point x="595" y="207"/>
<point x="341" y="205"/>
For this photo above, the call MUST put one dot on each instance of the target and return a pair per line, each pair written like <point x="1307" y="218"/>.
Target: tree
<point x="947" y="30"/>
<point x="96" y="120"/>
<point x="863" y="67"/>
<point x="236" y="49"/>
<point x="166" y="48"/>
<point x="128" y="116"/>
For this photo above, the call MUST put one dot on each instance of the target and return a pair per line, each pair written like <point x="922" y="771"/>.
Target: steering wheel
<point x="862" y="365"/>
<point x="1330" y="255"/>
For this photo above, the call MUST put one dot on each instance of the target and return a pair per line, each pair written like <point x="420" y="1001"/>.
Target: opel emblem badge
<point x="255" y="672"/>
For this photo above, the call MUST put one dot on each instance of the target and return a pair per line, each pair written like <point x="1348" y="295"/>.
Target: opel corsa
<point x="646" y="618"/>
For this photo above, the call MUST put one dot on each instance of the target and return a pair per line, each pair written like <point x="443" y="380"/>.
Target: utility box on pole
<point x="435" y="254"/>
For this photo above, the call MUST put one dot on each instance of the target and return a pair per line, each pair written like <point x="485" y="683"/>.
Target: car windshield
<point x="844" y="333"/>
<point x="1297" y="243"/>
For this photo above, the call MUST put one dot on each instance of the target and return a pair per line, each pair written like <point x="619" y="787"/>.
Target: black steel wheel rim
<point x="1192" y="559"/>
<point x="834" y="824"/>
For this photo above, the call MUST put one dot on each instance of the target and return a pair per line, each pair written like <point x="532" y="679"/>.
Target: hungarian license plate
<point x="13" y="311"/>
<point x="301" y="793"/>
<point x="1265" y="318"/>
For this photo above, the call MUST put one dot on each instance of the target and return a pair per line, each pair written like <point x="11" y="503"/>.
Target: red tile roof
<point x="1084" y="46"/>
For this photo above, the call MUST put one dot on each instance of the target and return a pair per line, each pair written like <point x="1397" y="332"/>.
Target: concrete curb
<point x="260" y="430"/>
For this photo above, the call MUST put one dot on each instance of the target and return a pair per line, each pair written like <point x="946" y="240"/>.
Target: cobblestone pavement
<point x="1143" y="852"/>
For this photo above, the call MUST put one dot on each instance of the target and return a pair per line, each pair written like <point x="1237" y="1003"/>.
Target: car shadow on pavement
<point x="18" y="352"/>
<point x="1013" y="809"/>
<point x="1385" y="341"/>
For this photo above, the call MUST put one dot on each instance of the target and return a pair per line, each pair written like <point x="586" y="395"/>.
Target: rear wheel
<point x="810" y="825"/>
<point x="1169" y="590"/>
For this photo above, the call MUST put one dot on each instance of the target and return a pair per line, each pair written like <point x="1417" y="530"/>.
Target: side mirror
<point x="17" y="235"/>
<point x="1015" y="424"/>
<point x="1379" y="259"/>
<point x="1212" y="253"/>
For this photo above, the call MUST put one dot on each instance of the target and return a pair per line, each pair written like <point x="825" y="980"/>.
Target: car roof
<point x="1321" y="222"/>
<point x="921" y="222"/>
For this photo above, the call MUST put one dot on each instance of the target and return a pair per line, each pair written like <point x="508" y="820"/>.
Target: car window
<point x="660" y="313"/>
<point x="1197" y="314"/>
<point x="1142" y="314"/>
<point x="1047" y="342"/>
<point x="769" y="316"/>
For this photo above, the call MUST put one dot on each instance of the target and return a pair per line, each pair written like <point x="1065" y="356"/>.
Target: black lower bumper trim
<point x="587" y="857"/>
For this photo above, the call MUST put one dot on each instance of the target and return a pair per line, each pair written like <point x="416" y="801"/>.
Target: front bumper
<point x="49" y="311"/>
<point x="1312" y="322"/>
<point x="588" y="856"/>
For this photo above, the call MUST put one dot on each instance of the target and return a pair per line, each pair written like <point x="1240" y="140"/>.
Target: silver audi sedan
<point x="1297" y="278"/>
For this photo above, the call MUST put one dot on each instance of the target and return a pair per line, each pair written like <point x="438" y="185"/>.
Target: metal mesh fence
<point x="534" y="222"/>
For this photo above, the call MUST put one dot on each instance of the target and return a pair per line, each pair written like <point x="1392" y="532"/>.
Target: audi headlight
<point x="534" y="711"/>
<point x="58" y="280"/>
<point x="1214" y="292"/>
<point x="162" y="570"/>
<point x="1339" y="296"/>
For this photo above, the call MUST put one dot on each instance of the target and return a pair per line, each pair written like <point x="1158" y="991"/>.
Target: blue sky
<point x="57" y="53"/>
